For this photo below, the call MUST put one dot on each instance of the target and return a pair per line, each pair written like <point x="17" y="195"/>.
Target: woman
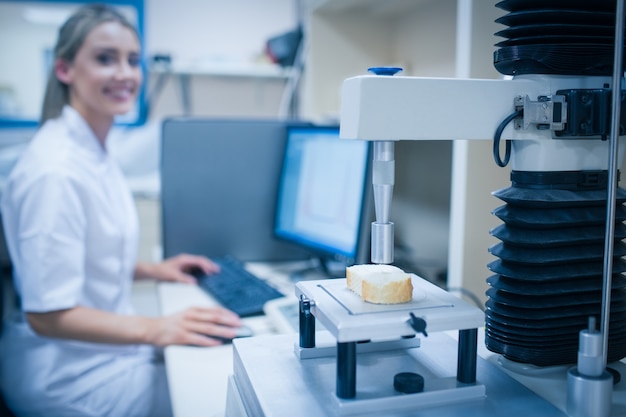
<point x="71" y="226"/>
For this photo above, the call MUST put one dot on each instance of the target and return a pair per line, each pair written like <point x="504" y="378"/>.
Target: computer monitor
<point x="219" y="180"/>
<point x="324" y="197"/>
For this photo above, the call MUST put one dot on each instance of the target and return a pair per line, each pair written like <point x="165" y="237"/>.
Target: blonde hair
<point x="71" y="37"/>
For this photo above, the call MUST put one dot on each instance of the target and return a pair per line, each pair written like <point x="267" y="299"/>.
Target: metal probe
<point x="383" y="179"/>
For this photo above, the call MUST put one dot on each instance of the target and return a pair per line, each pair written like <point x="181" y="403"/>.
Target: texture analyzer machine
<point x="392" y="360"/>
<point x="556" y="120"/>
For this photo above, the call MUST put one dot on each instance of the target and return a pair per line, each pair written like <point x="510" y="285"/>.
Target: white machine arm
<point x="418" y="108"/>
<point x="384" y="108"/>
<point x="411" y="108"/>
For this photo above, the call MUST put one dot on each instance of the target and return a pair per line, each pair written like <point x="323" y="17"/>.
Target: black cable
<point x="496" y="140"/>
<point x="473" y="297"/>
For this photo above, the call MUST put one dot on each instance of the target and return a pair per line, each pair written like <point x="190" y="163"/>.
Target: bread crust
<point x="392" y="293"/>
<point x="396" y="291"/>
<point x="353" y="282"/>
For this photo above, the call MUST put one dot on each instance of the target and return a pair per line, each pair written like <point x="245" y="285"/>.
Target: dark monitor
<point x="219" y="179"/>
<point x="324" y="196"/>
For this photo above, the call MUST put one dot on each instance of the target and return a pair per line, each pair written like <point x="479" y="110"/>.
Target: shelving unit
<point x="217" y="89"/>
<point x="226" y="69"/>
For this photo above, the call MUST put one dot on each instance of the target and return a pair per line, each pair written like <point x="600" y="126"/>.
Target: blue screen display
<point x="322" y="190"/>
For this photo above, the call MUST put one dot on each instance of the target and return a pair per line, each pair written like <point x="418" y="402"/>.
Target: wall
<point x="425" y="39"/>
<point x="215" y="30"/>
<point x="216" y="41"/>
<point x="355" y="48"/>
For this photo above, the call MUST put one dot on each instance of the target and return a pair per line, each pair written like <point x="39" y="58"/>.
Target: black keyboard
<point x="237" y="289"/>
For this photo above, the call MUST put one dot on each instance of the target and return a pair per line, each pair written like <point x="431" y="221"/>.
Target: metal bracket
<point x="547" y="113"/>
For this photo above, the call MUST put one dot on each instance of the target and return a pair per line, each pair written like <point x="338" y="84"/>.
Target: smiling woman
<point x="29" y="28"/>
<point x="77" y="348"/>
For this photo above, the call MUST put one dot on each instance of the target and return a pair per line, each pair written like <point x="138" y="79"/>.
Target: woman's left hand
<point x="177" y="268"/>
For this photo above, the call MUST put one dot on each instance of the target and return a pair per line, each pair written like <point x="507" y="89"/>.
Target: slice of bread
<point x="380" y="284"/>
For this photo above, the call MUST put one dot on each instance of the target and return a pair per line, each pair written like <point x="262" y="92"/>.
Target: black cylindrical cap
<point x="408" y="382"/>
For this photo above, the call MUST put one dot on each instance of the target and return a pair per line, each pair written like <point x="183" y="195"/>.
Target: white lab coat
<point x="72" y="232"/>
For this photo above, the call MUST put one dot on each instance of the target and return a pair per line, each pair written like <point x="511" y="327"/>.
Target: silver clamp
<point x="547" y="113"/>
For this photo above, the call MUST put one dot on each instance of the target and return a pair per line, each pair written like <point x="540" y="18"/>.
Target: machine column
<point x="307" y="324"/>
<point x="346" y="369"/>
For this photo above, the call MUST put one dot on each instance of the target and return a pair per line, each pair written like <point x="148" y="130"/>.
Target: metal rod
<point x="346" y="370"/>
<point x="383" y="180"/>
<point x="612" y="174"/>
<point x="466" y="361"/>
<point x="307" y="324"/>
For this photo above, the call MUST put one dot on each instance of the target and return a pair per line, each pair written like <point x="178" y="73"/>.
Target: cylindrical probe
<point x="383" y="179"/>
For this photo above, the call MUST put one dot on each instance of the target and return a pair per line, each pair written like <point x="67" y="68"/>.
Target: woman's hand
<point x="198" y="326"/>
<point x="177" y="268"/>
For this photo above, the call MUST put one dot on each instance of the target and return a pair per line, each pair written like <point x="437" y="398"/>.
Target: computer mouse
<point x="243" y="331"/>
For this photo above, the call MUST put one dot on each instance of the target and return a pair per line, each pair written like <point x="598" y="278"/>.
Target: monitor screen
<point x="219" y="180"/>
<point x="324" y="192"/>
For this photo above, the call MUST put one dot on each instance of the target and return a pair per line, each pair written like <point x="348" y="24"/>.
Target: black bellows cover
<point x="565" y="37"/>
<point x="548" y="277"/>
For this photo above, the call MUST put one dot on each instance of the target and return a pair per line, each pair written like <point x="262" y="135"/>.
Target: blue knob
<point x="384" y="70"/>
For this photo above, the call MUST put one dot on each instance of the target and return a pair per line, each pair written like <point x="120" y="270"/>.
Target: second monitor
<point x="219" y="179"/>
<point x="324" y="197"/>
